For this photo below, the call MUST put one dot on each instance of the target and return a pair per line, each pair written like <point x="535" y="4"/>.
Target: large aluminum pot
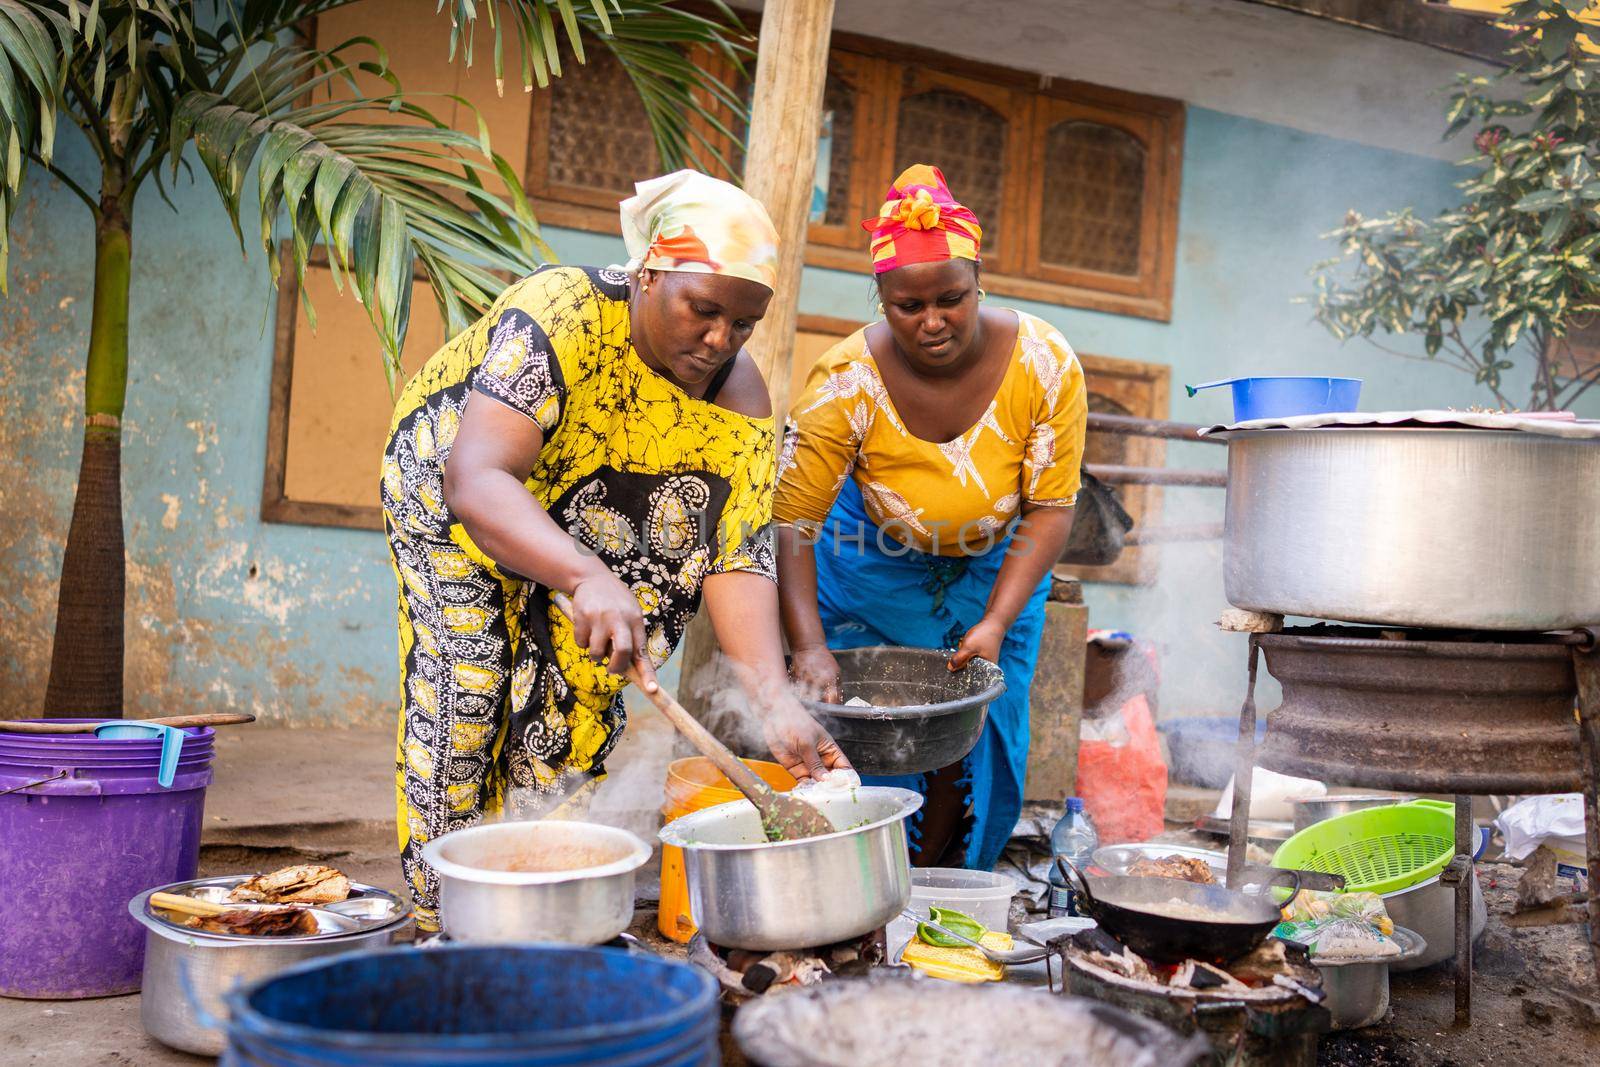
<point x="495" y="885"/>
<point x="1430" y="909"/>
<point x="1437" y="526"/>
<point x="188" y="974"/>
<point x="747" y="892"/>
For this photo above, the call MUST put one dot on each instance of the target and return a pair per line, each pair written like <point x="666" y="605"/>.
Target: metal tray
<point x="1272" y="830"/>
<point x="367" y="908"/>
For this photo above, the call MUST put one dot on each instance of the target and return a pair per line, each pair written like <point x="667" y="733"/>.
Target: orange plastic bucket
<point x="692" y="785"/>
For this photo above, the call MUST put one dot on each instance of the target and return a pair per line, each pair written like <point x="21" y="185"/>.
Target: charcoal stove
<point x="1265" y="1026"/>
<point x="743" y="974"/>
<point x="1438" y="711"/>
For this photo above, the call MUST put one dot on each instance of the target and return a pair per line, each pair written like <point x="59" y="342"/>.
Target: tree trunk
<point x="86" y="661"/>
<point x="785" y="120"/>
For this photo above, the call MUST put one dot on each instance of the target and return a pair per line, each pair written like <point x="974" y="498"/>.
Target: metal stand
<point x="1586" y="664"/>
<point x="1459" y="874"/>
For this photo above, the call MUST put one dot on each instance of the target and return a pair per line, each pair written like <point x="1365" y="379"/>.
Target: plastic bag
<point x="1555" y="820"/>
<point x="1335" y="938"/>
<point x="1124" y="786"/>
<point x="1312" y="907"/>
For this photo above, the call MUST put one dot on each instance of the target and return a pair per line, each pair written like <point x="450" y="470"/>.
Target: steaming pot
<point x="1427" y="519"/>
<point x="751" y="893"/>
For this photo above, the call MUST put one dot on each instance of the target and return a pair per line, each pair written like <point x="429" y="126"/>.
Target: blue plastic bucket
<point x="1202" y="749"/>
<point x="1288" y="396"/>
<point x="487" y="1006"/>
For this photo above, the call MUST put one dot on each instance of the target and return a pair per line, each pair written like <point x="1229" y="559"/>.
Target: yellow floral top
<point x="952" y="497"/>
<point x="666" y="488"/>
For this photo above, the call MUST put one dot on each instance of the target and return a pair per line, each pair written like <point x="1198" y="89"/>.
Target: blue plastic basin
<point x="1287" y="396"/>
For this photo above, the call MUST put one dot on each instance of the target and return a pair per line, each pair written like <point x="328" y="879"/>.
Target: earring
<point x="880" y="307"/>
<point x="981" y="293"/>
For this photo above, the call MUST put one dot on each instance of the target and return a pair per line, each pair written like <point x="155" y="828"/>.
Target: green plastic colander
<point x="1378" y="850"/>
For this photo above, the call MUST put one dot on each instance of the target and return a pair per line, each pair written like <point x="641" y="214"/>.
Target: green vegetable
<point x="951" y="920"/>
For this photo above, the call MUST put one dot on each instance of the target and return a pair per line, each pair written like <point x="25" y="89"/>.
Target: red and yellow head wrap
<point x="921" y="222"/>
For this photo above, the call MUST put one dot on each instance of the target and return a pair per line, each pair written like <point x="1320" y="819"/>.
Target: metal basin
<point x="484" y="899"/>
<point x="1308" y="811"/>
<point x="1437" y="527"/>
<point x="747" y="892"/>
<point x="1429" y="910"/>
<point x="887" y="1019"/>
<point x="189" y="974"/>
<point x="924" y="716"/>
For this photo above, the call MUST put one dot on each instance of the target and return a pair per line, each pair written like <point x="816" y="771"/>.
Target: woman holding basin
<point x="601" y="433"/>
<point x="925" y="488"/>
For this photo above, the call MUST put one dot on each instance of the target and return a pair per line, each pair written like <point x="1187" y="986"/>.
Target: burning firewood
<point x="305" y="883"/>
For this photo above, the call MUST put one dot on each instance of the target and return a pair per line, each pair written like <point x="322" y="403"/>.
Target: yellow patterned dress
<point x="499" y="705"/>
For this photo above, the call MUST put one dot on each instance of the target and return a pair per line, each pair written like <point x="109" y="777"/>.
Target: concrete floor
<point x="283" y="796"/>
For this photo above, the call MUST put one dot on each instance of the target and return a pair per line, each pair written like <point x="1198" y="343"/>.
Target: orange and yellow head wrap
<point x="921" y="222"/>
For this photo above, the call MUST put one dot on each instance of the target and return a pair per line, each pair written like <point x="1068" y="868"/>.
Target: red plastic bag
<point x="1124" y="785"/>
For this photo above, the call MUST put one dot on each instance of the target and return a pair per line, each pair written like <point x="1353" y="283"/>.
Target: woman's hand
<point x="799" y="742"/>
<point x="816" y="671"/>
<point x="983" y="641"/>
<point x="607" y="621"/>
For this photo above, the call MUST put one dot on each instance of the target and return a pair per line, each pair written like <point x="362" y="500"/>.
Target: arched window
<point x="1094" y="188"/>
<point x="966" y="139"/>
<point x="599" y="135"/>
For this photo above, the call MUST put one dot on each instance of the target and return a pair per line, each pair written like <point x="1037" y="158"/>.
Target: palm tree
<point x="239" y="82"/>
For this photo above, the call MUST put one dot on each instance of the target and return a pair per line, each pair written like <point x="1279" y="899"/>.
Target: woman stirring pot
<point x="602" y="433"/>
<point x="925" y="488"/>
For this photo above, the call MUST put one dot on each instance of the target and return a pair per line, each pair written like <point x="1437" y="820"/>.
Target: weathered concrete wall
<point x="295" y="623"/>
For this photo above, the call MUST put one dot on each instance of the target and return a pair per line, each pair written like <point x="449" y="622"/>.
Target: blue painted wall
<point x="295" y="623"/>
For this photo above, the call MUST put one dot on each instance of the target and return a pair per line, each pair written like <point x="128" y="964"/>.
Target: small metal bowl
<point x="923" y="716"/>
<point x="1358" y="989"/>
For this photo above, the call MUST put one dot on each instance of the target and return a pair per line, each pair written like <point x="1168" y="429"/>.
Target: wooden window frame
<point x="276" y="504"/>
<point x="1136" y="566"/>
<point x="1032" y="103"/>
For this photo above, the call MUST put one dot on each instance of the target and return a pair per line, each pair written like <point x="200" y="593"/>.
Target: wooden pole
<point x="780" y="168"/>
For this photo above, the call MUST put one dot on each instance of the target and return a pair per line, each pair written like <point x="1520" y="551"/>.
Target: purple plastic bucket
<point x="88" y="830"/>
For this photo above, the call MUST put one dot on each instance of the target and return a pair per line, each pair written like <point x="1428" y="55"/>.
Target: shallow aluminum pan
<point x="188" y="973"/>
<point x="367" y="908"/>
<point x="748" y="892"/>
<point x="1358" y="989"/>
<point x="1478" y="529"/>
<point x="583" y="906"/>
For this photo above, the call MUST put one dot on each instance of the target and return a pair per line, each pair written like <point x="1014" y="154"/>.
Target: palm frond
<point x="34" y="43"/>
<point x="660" y="43"/>
<point x="379" y="181"/>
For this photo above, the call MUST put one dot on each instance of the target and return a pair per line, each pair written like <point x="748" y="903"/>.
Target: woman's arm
<point x="494" y="449"/>
<point x="1035" y="546"/>
<point x="744" y="613"/>
<point x="813" y="664"/>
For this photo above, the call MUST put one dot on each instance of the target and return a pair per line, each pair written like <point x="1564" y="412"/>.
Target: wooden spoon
<point x="221" y="718"/>
<point x="783" y="817"/>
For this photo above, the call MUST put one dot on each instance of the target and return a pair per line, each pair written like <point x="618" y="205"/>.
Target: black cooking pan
<point x="1133" y="910"/>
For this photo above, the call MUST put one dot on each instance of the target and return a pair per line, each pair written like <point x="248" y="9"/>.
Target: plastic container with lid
<point x="984" y="896"/>
<point x="693" y="784"/>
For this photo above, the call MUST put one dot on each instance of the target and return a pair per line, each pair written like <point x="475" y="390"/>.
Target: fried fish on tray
<point x="1184" y="868"/>
<point x="305" y="883"/>
<point x="257" y="922"/>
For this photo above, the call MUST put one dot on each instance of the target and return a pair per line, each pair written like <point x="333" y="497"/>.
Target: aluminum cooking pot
<point x="748" y="892"/>
<point x="481" y="901"/>
<point x="189" y="974"/>
<point x="1433" y="526"/>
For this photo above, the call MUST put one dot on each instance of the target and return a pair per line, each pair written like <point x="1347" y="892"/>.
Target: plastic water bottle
<point x="1075" y="838"/>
